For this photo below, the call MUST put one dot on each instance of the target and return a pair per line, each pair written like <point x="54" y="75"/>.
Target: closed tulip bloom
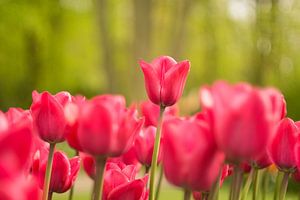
<point x="89" y="164"/>
<point x="263" y="161"/>
<point x="238" y="113"/>
<point x="150" y="112"/>
<point x="283" y="146"/>
<point x="64" y="172"/>
<point x="144" y="144"/>
<point x="72" y="114"/>
<point x="48" y="115"/>
<point x="190" y="157"/>
<point x="120" y="183"/>
<point x="129" y="158"/>
<point x="106" y="127"/>
<point x="165" y="79"/>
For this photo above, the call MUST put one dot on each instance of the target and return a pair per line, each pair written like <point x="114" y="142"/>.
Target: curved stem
<point x="98" y="186"/>
<point x="187" y="194"/>
<point x="161" y="175"/>
<point x="214" y="192"/>
<point x="155" y="154"/>
<point x="284" y="185"/>
<point x="247" y="185"/>
<point x="48" y="172"/>
<point x="72" y="188"/>
<point x="255" y="184"/>
<point x="238" y="174"/>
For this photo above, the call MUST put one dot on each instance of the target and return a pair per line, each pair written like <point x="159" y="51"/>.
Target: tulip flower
<point x="150" y="112"/>
<point x="143" y="145"/>
<point x="239" y="113"/>
<point x="129" y="158"/>
<point x="190" y="158"/>
<point x="165" y="79"/>
<point x="64" y="172"/>
<point x="106" y="128"/>
<point x="71" y="111"/>
<point x="120" y="183"/>
<point x="283" y="146"/>
<point x="89" y="164"/>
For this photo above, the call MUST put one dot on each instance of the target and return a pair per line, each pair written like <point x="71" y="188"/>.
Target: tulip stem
<point x="237" y="183"/>
<point x="72" y="188"/>
<point x="50" y="195"/>
<point x="204" y="196"/>
<point x="155" y="153"/>
<point x="47" y="179"/>
<point x="187" y="194"/>
<point x="265" y="183"/>
<point x="214" y="192"/>
<point x="247" y="185"/>
<point x="98" y="186"/>
<point x="277" y="185"/>
<point x="256" y="180"/>
<point x="161" y="174"/>
<point x="284" y="185"/>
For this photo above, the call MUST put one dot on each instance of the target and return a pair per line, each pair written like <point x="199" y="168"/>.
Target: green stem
<point x="265" y="183"/>
<point x="247" y="185"/>
<point x="277" y="185"/>
<point x="284" y="185"/>
<point x="187" y="194"/>
<point x="255" y="184"/>
<point x="48" y="172"/>
<point x="98" y="186"/>
<point x="214" y="192"/>
<point x="50" y="195"/>
<point x="72" y="188"/>
<point x="155" y="154"/>
<point x="238" y="174"/>
<point x="161" y="175"/>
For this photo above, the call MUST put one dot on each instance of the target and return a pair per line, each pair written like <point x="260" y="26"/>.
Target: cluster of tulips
<point x="240" y="128"/>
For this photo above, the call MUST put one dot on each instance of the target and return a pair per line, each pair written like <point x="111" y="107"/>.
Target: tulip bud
<point x="48" y="115"/>
<point x="283" y="146"/>
<point x="64" y="172"/>
<point x="165" y="79"/>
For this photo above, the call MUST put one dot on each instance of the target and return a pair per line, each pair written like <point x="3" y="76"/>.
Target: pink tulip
<point x="89" y="165"/>
<point x="48" y="115"/>
<point x="190" y="157"/>
<point x="150" y="111"/>
<point x="106" y="127"/>
<point x="64" y="172"/>
<point x="283" y="146"/>
<point x="143" y="145"/>
<point x="238" y="114"/>
<point x="72" y="115"/>
<point x="129" y="158"/>
<point x="120" y="183"/>
<point x="165" y="79"/>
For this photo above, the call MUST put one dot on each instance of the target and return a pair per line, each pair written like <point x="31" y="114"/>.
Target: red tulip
<point x="64" y="172"/>
<point x="165" y="79"/>
<point x="72" y="114"/>
<point x="120" y="183"/>
<point x="263" y="161"/>
<point x="190" y="157"/>
<point x="197" y="195"/>
<point x="48" y="114"/>
<point x="238" y="113"/>
<point x="143" y="145"/>
<point x="106" y="127"/>
<point x="283" y="146"/>
<point x="129" y="158"/>
<point x="150" y="111"/>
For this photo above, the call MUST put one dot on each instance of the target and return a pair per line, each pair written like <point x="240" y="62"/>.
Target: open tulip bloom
<point x="241" y="131"/>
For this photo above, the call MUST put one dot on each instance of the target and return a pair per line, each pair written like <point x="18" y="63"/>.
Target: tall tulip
<point x="164" y="82"/>
<point x="190" y="159"/>
<point x="52" y="126"/>
<point x="106" y="128"/>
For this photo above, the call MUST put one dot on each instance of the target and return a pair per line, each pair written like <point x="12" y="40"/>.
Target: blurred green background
<point x="92" y="47"/>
